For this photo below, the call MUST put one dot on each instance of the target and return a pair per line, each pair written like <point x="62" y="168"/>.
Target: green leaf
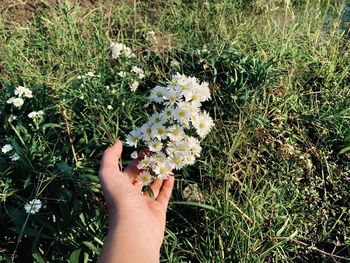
<point x="86" y="257"/>
<point x="194" y="204"/>
<point x="74" y="256"/>
<point x="92" y="247"/>
<point x="150" y="191"/>
<point x="37" y="257"/>
<point x="65" y="168"/>
<point x="346" y="149"/>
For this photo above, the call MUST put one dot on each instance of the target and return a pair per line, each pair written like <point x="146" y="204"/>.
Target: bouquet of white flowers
<point x="168" y="134"/>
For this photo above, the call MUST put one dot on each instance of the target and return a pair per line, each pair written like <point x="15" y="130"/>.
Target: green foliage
<point x="274" y="173"/>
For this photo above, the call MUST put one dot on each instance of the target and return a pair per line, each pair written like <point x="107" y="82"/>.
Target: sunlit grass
<point x="274" y="173"/>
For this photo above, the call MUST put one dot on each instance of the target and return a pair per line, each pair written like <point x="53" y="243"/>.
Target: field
<point x="273" y="181"/>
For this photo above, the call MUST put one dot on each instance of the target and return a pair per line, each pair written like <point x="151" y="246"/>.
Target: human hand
<point x="136" y="222"/>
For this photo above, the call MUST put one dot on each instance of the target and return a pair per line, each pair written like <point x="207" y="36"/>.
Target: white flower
<point x="155" y="146"/>
<point x="144" y="178"/>
<point x="146" y="132"/>
<point x="172" y="97"/>
<point x="158" y="157"/>
<point x="150" y="36"/>
<point x="163" y="170"/>
<point x="177" y="161"/>
<point x="133" y="138"/>
<point x="17" y="102"/>
<point x="182" y="113"/>
<point x="33" y="206"/>
<point x="6" y="148"/>
<point x="138" y="71"/>
<point x="194" y="145"/>
<point x="167" y="113"/>
<point x="118" y="49"/>
<point x="36" y="114"/>
<point x="134" y="155"/>
<point x="189" y="159"/>
<point x="203" y="124"/>
<point x="159" y="131"/>
<point x="14" y="157"/>
<point x="12" y="118"/>
<point x="145" y="163"/>
<point x="204" y="91"/>
<point x="134" y="86"/>
<point x="23" y="91"/>
<point x="109" y="107"/>
<point x="175" y="133"/>
<point x="157" y="119"/>
<point x="122" y="74"/>
<point x="90" y="74"/>
<point x="158" y="94"/>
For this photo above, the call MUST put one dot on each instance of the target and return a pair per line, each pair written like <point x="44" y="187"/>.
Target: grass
<point x="274" y="175"/>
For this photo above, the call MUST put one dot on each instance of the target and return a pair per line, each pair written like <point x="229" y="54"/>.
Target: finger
<point x="142" y="154"/>
<point x="110" y="161"/>
<point x="114" y="183"/>
<point x="138" y="186"/>
<point x="132" y="171"/>
<point x="155" y="186"/>
<point x="165" y="191"/>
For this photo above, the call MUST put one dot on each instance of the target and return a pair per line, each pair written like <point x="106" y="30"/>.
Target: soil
<point x="22" y="11"/>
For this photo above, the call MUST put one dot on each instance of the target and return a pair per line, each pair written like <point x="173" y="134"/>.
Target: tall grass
<point x="274" y="174"/>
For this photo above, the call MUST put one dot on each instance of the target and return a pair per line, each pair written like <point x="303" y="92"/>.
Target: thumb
<point x="110" y="173"/>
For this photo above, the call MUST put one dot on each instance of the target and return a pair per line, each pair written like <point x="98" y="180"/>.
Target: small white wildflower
<point x="6" y="148"/>
<point x="163" y="170"/>
<point x="90" y="74"/>
<point x="175" y="133"/>
<point x="32" y="115"/>
<point x="204" y="91"/>
<point x="33" y="206"/>
<point x="146" y="132"/>
<point x="109" y="107"/>
<point x="203" y="124"/>
<point x="158" y="94"/>
<point x="14" y="157"/>
<point x="158" y="157"/>
<point x="133" y="137"/>
<point x="189" y="159"/>
<point x="194" y="145"/>
<point x="168" y="113"/>
<point x="177" y="161"/>
<point x="145" y="163"/>
<point x="172" y="97"/>
<point x="144" y="178"/>
<point x="159" y="131"/>
<point x="157" y="119"/>
<point x="118" y="49"/>
<point x="182" y="114"/>
<point x="155" y="145"/>
<point x="36" y="114"/>
<point x="150" y="36"/>
<point x="12" y="118"/>
<point x="134" y="155"/>
<point x="138" y="71"/>
<point x="122" y="74"/>
<point x="17" y="102"/>
<point x="21" y="91"/>
<point x="134" y="86"/>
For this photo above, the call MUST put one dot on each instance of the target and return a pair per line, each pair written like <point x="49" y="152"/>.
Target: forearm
<point x="127" y="243"/>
